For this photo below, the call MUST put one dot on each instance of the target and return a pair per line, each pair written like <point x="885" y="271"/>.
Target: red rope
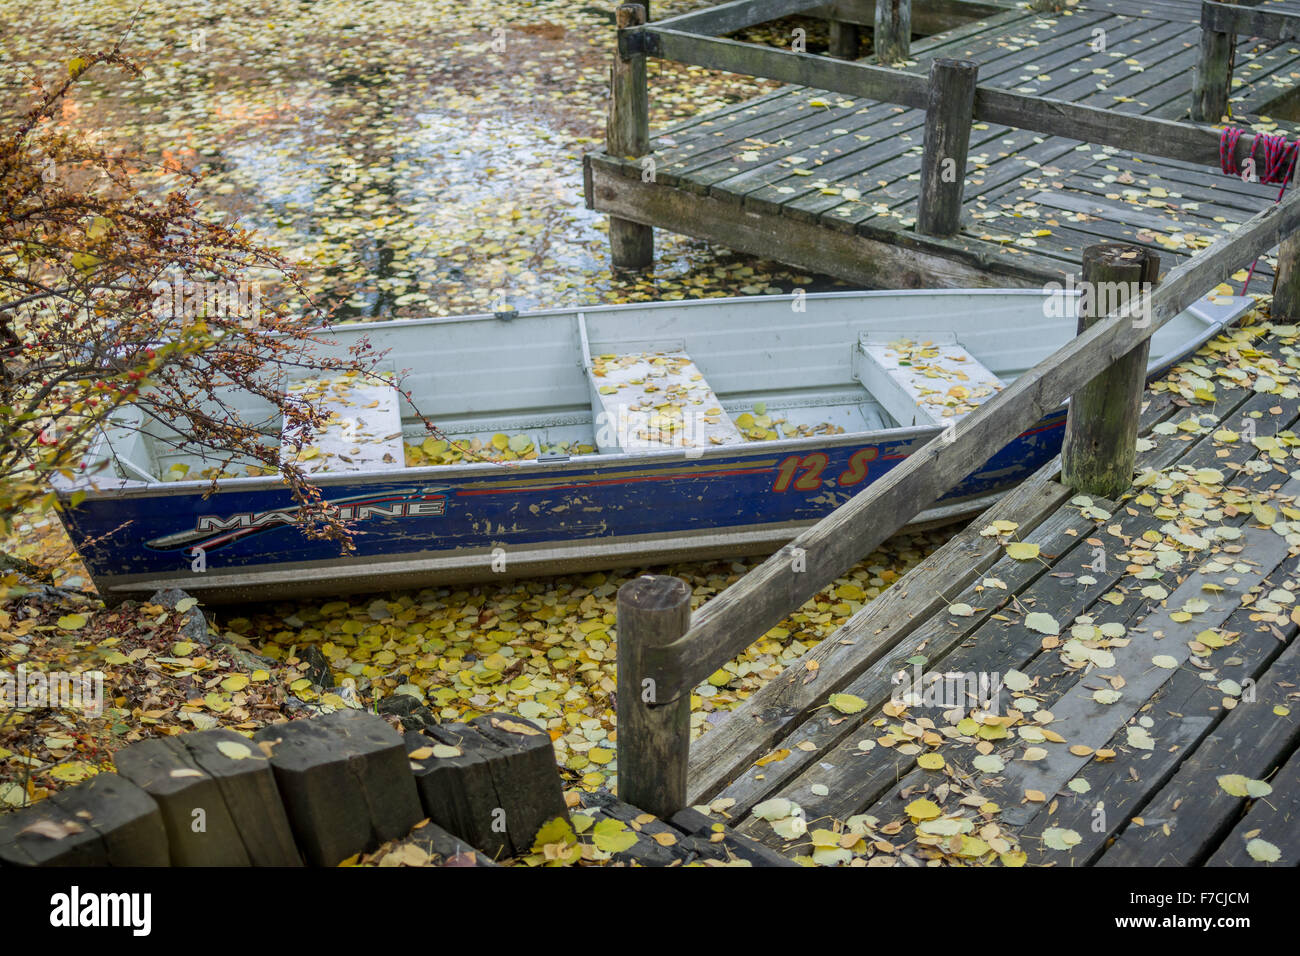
<point x="1279" y="161"/>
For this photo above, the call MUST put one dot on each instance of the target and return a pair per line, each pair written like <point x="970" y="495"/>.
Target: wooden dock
<point x="1085" y="720"/>
<point x="831" y="182"/>
<point x="1072" y="679"/>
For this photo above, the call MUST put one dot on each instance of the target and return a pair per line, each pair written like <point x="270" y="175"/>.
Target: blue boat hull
<point x="489" y="521"/>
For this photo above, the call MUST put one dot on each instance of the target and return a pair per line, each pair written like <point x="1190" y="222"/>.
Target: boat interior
<point x="629" y="379"/>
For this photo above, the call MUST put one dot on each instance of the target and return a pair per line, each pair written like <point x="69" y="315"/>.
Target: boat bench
<point x="932" y="381"/>
<point x="655" y="399"/>
<point x="365" y="428"/>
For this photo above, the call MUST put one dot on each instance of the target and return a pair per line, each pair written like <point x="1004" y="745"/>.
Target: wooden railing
<point x="1220" y="25"/>
<point x="663" y="652"/>
<point x="950" y="95"/>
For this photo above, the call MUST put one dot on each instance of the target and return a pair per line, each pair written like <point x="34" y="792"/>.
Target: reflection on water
<point x="410" y="168"/>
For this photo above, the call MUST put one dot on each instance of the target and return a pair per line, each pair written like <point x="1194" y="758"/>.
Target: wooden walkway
<point x="1128" y="738"/>
<point x="828" y="183"/>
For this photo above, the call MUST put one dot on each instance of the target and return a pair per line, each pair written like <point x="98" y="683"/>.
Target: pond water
<point x="417" y="158"/>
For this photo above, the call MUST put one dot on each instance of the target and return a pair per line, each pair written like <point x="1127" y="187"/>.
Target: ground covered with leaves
<point x="419" y="158"/>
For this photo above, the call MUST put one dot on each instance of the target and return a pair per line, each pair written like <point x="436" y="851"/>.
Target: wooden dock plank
<point x="1183" y="715"/>
<point x="776" y="707"/>
<point x="1185" y="819"/>
<point x="854" y="779"/>
<point x="1273" y="819"/>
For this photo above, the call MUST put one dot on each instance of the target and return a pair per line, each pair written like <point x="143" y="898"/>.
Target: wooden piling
<point x="947" y="141"/>
<point x="893" y="37"/>
<point x="1212" y="78"/>
<point x="844" y="40"/>
<point x="627" y="134"/>
<point x="1286" y="283"/>
<point x="653" y="741"/>
<point x="1100" y="446"/>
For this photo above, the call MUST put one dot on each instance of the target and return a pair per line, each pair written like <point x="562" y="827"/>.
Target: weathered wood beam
<point x="1212" y="78"/>
<point x="1248" y="21"/>
<point x="767" y="594"/>
<point x="803" y="69"/>
<point x="729" y="17"/>
<point x="1101" y="430"/>
<point x="653" y="741"/>
<point x="1286" y="283"/>
<point x="906" y="260"/>
<point x="627" y="134"/>
<point x="1091" y="124"/>
<point x="892" y="40"/>
<point x="928" y="16"/>
<point x="947" y="143"/>
<point x="845" y="42"/>
<point x="1141" y="134"/>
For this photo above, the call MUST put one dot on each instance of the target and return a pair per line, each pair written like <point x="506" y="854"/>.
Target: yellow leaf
<point x="1022" y="550"/>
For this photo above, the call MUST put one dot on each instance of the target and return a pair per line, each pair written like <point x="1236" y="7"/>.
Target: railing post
<point x="627" y="134"/>
<point x="844" y="40"/>
<point x="1286" y="283"/>
<point x="653" y="742"/>
<point x="947" y="140"/>
<point x="893" y="37"/>
<point x="1212" y="78"/>
<point x="1100" y="447"/>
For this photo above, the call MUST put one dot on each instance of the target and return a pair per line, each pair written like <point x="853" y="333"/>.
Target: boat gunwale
<point x="131" y="488"/>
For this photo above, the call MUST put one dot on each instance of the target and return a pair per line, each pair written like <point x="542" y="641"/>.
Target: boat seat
<point x="655" y="399"/>
<point x="365" y="428"/>
<point x="925" y="380"/>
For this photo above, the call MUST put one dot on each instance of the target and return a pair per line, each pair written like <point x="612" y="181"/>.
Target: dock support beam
<point x="627" y="134"/>
<point x="653" y="741"/>
<point x="1212" y="78"/>
<point x="1286" y="283"/>
<point x="1100" y="447"/>
<point x="947" y="141"/>
<point x="893" y="37"/>
<point x="844" y="40"/>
